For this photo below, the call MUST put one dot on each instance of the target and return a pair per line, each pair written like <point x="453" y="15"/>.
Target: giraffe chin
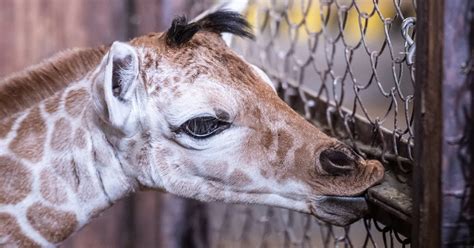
<point x="339" y="210"/>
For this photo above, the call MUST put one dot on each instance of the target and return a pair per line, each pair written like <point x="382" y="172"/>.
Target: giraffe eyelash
<point x="203" y="127"/>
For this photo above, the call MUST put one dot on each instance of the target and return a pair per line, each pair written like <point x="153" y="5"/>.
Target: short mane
<point x="36" y="83"/>
<point x="222" y="21"/>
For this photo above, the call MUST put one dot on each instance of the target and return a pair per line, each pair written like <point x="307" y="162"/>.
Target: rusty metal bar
<point x="443" y="172"/>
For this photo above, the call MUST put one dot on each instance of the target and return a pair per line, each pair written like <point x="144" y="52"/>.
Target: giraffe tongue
<point x="339" y="210"/>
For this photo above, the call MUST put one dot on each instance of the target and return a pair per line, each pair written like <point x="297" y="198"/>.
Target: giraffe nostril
<point x="336" y="162"/>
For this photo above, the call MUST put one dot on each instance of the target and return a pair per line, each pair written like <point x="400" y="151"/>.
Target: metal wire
<point x="347" y="66"/>
<point x="357" y="56"/>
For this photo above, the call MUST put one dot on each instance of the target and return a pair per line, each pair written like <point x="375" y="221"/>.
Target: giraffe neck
<point x="57" y="169"/>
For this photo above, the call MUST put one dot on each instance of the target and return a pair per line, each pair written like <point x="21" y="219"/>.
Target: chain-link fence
<point x="348" y="67"/>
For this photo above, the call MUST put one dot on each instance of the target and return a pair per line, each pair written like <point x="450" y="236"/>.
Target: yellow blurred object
<point x="251" y="15"/>
<point x="359" y="15"/>
<point x="313" y="18"/>
<point x="364" y="13"/>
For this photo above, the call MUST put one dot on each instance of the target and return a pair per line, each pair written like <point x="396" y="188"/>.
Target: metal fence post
<point x="443" y="175"/>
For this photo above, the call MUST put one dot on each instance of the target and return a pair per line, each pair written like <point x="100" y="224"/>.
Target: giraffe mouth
<point x="339" y="210"/>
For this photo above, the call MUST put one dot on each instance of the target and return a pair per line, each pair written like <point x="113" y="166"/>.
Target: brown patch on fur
<point x="141" y="159"/>
<point x="147" y="61"/>
<point x="51" y="105"/>
<point x="174" y="89"/>
<point x="265" y="174"/>
<point x="165" y="83"/>
<point x="15" y="181"/>
<point x="163" y="153"/>
<point x="131" y="144"/>
<point x="61" y="137"/>
<point x="24" y="89"/>
<point x="215" y="170"/>
<point x="267" y="138"/>
<point x="301" y="156"/>
<point x="12" y="235"/>
<point x="239" y="178"/>
<point x="261" y="190"/>
<point x="51" y="188"/>
<point x="54" y="225"/>
<point x="190" y="165"/>
<point x="285" y="142"/>
<point x="257" y="114"/>
<point x="31" y="136"/>
<point x="80" y="138"/>
<point x="6" y="125"/>
<point x="75" y="101"/>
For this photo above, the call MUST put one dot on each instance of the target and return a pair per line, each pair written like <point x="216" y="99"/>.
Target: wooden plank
<point x="34" y="30"/>
<point x="428" y="126"/>
<point x="156" y="16"/>
<point x="150" y="16"/>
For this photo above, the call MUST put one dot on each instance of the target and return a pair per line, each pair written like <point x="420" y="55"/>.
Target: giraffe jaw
<point x="339" y="210"/>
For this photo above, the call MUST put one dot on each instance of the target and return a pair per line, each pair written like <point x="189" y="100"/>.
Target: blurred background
<point x="350" y="53"/>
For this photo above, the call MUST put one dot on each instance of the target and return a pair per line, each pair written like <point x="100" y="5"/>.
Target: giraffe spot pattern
<point x="301" y="156"/>
<point x="11" y="234"/>
<point x="54" y="225"/>
<point x="215" y="170"/>
<point x="267" y="138"/>
<point x="265" y="173"/>
<point x="61" y="137"/>
<point x="51" y="105"/>
<point x="31" y="136"/>
<point x="15" y="181"/>
<point x="239" y="178"/>
<point x="80" y="138"/>
<point x="75" y="101"/>
<point x="6" y="125"/>
<point x="285" y="142"/>
<point x="51" y="187"/>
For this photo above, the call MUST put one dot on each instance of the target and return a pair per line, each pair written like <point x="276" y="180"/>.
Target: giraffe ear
<point x="120" y="84"/>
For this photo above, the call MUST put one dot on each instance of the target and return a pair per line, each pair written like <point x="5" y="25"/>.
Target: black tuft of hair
<point x="222" y="21"/>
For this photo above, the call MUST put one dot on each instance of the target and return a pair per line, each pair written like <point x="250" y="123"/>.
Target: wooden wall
<point x="36" y="29"/>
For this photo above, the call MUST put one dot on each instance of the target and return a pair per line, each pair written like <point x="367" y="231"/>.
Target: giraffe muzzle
<point x="340" y="210"/>
<point x="336" y="162"/>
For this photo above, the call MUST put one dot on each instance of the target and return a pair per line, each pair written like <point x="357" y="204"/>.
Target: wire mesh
<point x="355" y="57"/>
<point x="348" y="67"/>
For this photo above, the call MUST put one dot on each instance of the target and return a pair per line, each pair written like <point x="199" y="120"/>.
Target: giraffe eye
<point x="204" y="127"/>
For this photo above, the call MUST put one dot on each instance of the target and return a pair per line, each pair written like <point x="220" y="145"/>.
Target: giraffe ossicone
<point x="177" y="111"/>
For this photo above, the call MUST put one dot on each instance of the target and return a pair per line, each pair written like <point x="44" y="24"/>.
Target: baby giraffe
<point x="176" y="111"/>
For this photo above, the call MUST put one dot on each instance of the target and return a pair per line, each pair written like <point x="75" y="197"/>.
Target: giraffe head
<point x="189" y="116"/>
